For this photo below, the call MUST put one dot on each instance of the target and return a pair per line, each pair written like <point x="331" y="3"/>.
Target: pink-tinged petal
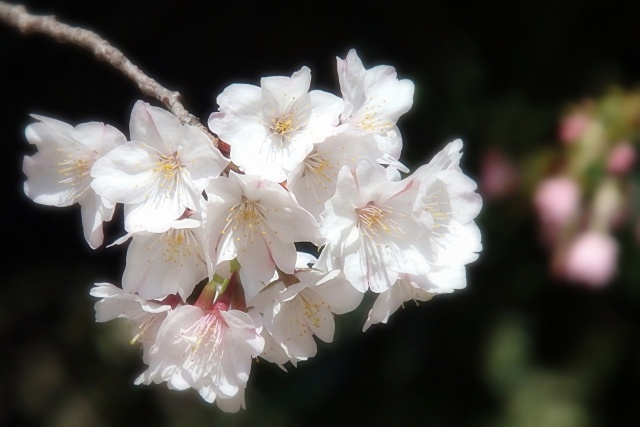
<point x="116" y="303"/>
<point x="390" y="145"/>
<point x="239" y="99"/>
<point x="200" y="159"/>
<point x="464" y="201"/>
<point x="283" y="254"/>
<point x="152" y="217"/>
<point x="338" y="292"/>
<point x="59" y="173"/>
<point x="98" y="137"/>
<point x="164" y="264"/>
<point x="285" y="90"/>
<point x="314" y="180"/>
<point x="208" y="350"/>
<point x="43" y="184"/>
<point x="239" y="131"/>
<point x="52" y="136"/>
<point x="104" y="290"/>
<point x="124" y="175"/>
<point x="275" y="157"/>
<point x="320" y="320"/>
<point x="387" y="96"/>
<point x="326" y="112"/>
<point x="289" y="221"/>
<point x="231" y="404"/>
<point x="250" y="285"/>
<point x="94" y="213"/>
<point x="288" y="327"/>
<point x="56" y="126"/>
<point x="255" y="257"/>
<point x="351" y="74"/>
<point x="369" y="267"/>
<point x="446" y="159"/>
<point x="374" y="98"/>
<point x="155" y="126"/>
<point x="244" y="330"/>
<point x="273" y="352"/>
<point x="461" y="245"/>
<point x="340" y="211"/>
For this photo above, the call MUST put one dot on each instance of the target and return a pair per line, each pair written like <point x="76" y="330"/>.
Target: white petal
<point x="239" y="99"/>
<point x="157" y="127"/>
<point x="124" y="175"/>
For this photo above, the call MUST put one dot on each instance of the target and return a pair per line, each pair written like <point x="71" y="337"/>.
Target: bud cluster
<point x="588" y="192"/>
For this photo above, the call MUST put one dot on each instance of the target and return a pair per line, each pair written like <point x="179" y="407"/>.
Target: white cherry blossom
<point x="374" y="98"/>
<point x="369" y="228"/>
<point x="210" y="350"/>
<point x="160" y="173"/>
<point x="256" y="221"/>
<point x="166" y="263"/>
<point x="273" y="127"/>
<point x="59" y="173"/>
<point x="446" y="205"/>
<point x="144" y="316"/>
<point x="299" y="306"/>
<point x="313" y="181"/>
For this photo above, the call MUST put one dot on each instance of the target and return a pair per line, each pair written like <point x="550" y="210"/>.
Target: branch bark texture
<point x="18" y="17"/>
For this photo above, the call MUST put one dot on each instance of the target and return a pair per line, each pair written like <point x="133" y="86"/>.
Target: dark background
<point x="515" y="348"/>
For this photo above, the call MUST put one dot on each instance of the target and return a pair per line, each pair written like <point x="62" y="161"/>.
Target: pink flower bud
<point x="557" y="200"/>
<point x="621" y="158"/>
<point x="573" y="126"/>
<point x="591" y="259"/>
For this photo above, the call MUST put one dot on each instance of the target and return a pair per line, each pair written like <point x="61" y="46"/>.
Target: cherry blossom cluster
<point x="213" y="277"/>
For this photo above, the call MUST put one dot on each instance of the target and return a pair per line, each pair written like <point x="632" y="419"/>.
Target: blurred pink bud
<point x="621" y="158"/>
<point x="573" y="126"/>
<point x="591" y="259"/>
<point x="557" y="200"/>
<point x="498" y="175"/>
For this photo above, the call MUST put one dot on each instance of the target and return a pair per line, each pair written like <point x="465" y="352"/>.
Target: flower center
<point x="245" y="222"/>
<point x="169" y="166"/>
<point x="318" y="166"/>
<point x="247" y="213"/>
<point x="438" y="207"/>
<point x="75" y="171"/>
<point x="178" y="244"/>
<point x="283" y="126"/>
<point x="376" y="221"/>
<point x="207" y="332"/>
<point x="311" y="308"/>
<point x="371" y="119"/>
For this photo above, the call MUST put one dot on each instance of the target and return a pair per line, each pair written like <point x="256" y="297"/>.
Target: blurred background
<point x="543" y="93"/>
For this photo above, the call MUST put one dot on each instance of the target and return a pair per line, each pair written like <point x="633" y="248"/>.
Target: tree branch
<point x="17" y="16"/>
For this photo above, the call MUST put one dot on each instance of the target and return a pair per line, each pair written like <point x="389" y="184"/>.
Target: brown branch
<point x="17" y="16"/>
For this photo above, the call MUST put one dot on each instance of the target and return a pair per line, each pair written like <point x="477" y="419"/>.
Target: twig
<point x="17" y="16"/>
